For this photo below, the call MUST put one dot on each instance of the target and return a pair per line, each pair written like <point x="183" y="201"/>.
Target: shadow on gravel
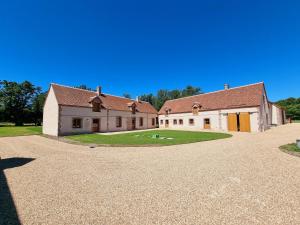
<point x="8" y="211"/>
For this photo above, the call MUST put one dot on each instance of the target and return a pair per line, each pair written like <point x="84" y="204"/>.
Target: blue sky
<point x="139" y="47"/>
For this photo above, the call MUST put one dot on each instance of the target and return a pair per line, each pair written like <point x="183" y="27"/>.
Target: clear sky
<point x="141" y="46"/>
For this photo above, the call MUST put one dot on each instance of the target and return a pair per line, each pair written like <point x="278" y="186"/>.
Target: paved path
<point x="240" y="180"/>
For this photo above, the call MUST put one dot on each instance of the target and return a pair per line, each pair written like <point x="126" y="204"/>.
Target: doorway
<point x="206" y="123"/>
<point x="133" y="123"/>
<point x="96" y="125"/>
<point x="166" y="123"/>
<point x="239" y="122"/>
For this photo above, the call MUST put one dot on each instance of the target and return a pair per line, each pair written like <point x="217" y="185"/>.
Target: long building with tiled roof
<point x="71" y="110"/>
<point x="244" y="108"/>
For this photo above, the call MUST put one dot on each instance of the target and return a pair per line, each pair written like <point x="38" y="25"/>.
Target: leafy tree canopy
<point x="16" y="99"/>
<point x="84" y="87"/>
<point x="126" y="95"/>
<point x="292" y="107"/>
<point x="163" y="95"/>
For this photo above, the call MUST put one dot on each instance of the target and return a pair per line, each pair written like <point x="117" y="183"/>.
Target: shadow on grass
<point x="8" y="211"/>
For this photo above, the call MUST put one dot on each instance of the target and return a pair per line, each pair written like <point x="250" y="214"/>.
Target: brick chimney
<point x="226" y="86"/>
<point x="99" y="90"/>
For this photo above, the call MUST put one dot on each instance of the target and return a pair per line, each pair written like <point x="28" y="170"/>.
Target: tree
<point x="126" y="95"/>
<point x="190" y="90"/>
<point x="292" y="107"/>
<point x="148" y="98"/>
<point x="37" y="108"/>
<point x="174" y="94"/>
<point x="16" y="99"/>
<point x="163" y="95"/>
<point x="84" y="87"/>
<point x="2" y="113"/>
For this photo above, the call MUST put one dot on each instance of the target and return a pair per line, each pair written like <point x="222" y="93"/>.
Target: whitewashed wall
<point x="277" y="115"/>
<point x="107" y="119"/>
<point x="218" y="119"/>
<point x="50" y="115"/>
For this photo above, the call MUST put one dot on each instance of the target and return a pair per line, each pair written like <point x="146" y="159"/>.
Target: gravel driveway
<point x="241" y="180"/>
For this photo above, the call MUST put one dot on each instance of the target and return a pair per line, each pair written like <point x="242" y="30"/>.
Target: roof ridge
<point x="80" y="89"/>
<point x="95" y="92"/>
<point x="261" y="82"/>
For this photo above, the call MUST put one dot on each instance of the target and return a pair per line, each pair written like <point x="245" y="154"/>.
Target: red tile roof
<point x="78" y="97"/>
<point x="244" y="96"/>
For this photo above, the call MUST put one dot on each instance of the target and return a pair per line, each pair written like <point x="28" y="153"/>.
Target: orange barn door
<point x="232" y="122"/>
<point x="245" y="122"/>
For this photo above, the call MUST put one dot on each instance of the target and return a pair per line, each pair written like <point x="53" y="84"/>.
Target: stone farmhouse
<point x="245" y="109"/>
<point x="69" y="110"/>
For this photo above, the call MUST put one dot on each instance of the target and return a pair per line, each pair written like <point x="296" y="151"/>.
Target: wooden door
<point x="232" y="122"/>
<point x="245" y="122"/>
<point x="129" y="124"/>
<point x="96" y="125"/>
<point x="166" y="123"/>
<point x="206" y="123"/>
<point x="133" y="126"/>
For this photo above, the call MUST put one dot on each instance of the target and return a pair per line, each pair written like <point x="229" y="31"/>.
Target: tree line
<point x="21" y="102"/>
<point x="162" y="95"/>
<point x="292" y="107"/>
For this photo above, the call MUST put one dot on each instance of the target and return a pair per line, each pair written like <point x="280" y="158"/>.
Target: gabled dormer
<point x="132" y="106"/>
<point x="96" y="103"/>
<point x="167" y="111"/>
<point x="196" y="108"/>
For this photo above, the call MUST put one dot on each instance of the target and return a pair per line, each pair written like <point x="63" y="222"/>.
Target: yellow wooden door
<point x="232" y="122"/>
<point x="206" y="123"/>
<point x="245" y="122"/>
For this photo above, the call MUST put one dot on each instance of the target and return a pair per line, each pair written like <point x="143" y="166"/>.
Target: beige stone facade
<point x="218" y="120"/>
<point x="62" y="119"/>
<point x="248" y="105"/>
<point x="107" y="120"/>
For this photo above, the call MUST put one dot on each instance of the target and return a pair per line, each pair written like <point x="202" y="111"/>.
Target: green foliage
<point x="16" y="99"/>
<point x="292" y="107"/>
<point x="126" y="95"/>
<point x="37" y="108"/>
<point x="163" y="95"/>
<point x="290" y="147"/>
<point x="144" y="138"/>
<point x="84" y="87"/>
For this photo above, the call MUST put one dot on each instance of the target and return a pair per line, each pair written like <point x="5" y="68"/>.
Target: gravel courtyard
<point x="245" y="179"/>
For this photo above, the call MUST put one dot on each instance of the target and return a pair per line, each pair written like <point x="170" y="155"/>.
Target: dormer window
<point x="96" y="107"/>
<point x="167" y="111"/>
<point x="195" y="108"/>
<point x="132" y="107"/>
<point x="96" y="104"/>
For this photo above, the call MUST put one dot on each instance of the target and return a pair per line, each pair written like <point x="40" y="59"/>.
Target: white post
<point x="298" y="143"/>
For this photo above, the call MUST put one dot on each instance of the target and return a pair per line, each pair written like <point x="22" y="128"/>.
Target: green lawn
<point x="144" y="138"/>
<point x="10" y="131"/>
<point x="290" y="147"/>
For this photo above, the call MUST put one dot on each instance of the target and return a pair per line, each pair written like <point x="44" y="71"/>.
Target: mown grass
<point x="11" y="131"/>
<point x="145" y="138"/>
<point x="291" y="147"/>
